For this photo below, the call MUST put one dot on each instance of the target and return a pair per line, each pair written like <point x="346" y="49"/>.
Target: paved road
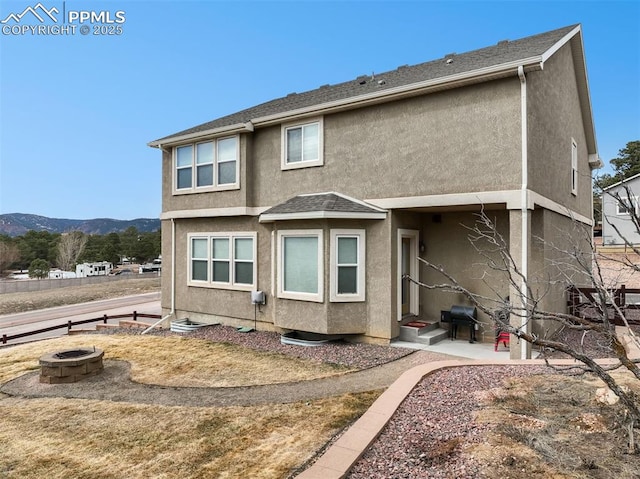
<point x="148" y="303"/>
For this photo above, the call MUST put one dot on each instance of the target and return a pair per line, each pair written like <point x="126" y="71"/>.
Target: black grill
<point x="465" y="315"/>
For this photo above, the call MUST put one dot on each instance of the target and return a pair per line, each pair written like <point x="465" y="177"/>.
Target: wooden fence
<point x="69" y="324"/>
<point x="584" y="302"/>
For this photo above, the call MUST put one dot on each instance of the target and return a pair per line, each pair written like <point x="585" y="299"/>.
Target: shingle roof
<point x="322" y="205"/>
<point x="502" y="53"/>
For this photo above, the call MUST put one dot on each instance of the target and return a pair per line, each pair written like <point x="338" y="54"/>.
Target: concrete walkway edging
<point x="337" y="461"/>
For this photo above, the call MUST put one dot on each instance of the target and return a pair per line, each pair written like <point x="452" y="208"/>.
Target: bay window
<point x="300" y="270"/>
<point x="347" y="261"/>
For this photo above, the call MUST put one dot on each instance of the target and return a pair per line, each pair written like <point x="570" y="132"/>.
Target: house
<point x="59" y="274"/>
<point x="618" y="200"/>
<point x="100" y="268"/>
<point x="325" y="200"/>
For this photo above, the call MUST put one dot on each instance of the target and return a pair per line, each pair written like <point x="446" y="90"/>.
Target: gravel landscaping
<point x="356" y="355"/>
<point x="427" y="435"/>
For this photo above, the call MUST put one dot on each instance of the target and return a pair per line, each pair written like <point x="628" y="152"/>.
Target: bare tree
<point x="70" y="248"/>
<point x="9" y="254"/>
<point x="515" y="313"/>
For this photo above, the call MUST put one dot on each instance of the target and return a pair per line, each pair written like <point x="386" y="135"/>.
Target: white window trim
<point x="231" y="236"/>
<point x="190" y="280"/>
<point x="283" y="145"/>
<point x="314" y="297"/>
<point x="194" y="166"/>
<point x="334" y="296"/>
<point x="574" y="167"/>
<point x="633" y="203"/>
<point x="414" y="271"/>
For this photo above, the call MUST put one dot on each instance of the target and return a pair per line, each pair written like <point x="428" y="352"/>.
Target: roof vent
<point x="381" y="82"/>
<point x="325" y="86"/>
<point x="402" y="67"/>
<point x="503" y="42"/>
<point x="292" y="94"/>
<point x="450" y="55"/>
<point x="449" y="61"/>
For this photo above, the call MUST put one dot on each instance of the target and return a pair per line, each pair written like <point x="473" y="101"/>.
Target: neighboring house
<point x="100" y="268"/>
<point x="59" y="274"/>
<point x="325" y="199"/>
<point x="618" y="200"/>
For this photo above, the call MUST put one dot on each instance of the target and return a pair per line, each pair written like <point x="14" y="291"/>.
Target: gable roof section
<point x="626" y="180"/>
<point x="322" y="206"/>
<point x="453" y="70"/>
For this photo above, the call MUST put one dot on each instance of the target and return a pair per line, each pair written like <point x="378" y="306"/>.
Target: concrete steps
<point x="429" y="334"/>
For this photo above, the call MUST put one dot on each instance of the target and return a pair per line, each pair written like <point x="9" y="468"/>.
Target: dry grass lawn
<point x="61" y="438"/>
<point x="175" y="360"/>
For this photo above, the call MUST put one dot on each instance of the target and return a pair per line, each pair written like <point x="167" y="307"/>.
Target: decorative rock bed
<point x="70" y="366"/>
<point x="300" y="338"/>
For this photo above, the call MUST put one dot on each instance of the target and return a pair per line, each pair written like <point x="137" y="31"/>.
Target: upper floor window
<point x="206" y="166"/>
<point x="624" y="205"/>
<point x="302" y="145"/>
<point x="574" y="167"/>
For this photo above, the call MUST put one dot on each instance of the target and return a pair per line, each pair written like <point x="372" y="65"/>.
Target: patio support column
<point x="520" y="250"/>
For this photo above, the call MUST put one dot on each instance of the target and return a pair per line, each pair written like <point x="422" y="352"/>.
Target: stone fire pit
<point x="70" y="366"/>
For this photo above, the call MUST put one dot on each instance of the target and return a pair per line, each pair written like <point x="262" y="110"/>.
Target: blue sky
<point x="77" y="111"/>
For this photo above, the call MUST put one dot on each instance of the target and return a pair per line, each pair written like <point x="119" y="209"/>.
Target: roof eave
<point x="213" y="132"/>
<point x="574" y="38"/>
<point x="452" y="81"/>
<point x="626" y="180"/>
<point x="436" y="84"/>
<point x="312" y="215"/>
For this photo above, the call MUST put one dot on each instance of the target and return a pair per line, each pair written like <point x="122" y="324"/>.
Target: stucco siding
<point x="210" y="304"/>
<point x="554" y="119"/>
<point x="557" y="241"/>
<point x="447" y="243"/>
<point x="204" y="200"/>
<point x="214" y="302"/>
<point x="459" y="141"/>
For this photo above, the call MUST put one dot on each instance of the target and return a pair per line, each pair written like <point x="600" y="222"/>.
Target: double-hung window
<point x="206" y="166"/>
<point x="347" y="261"/>
<point x="223" y="260"/>
<point x="300" y="265"/>
<point x="624" y="206"/>
<point x="574" y="167"/>
<point x="302" y="145"/>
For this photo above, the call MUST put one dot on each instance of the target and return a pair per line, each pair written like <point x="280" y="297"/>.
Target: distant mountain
<point x="17" y="224"/>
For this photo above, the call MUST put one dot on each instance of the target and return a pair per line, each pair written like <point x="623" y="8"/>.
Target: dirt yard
<point x="19" y="302"/>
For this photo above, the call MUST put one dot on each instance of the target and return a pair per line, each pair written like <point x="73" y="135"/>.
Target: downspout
<point x="524" y="240"/>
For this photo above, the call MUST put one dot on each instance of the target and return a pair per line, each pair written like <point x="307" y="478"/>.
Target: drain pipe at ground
<point x="173" y="279"/>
